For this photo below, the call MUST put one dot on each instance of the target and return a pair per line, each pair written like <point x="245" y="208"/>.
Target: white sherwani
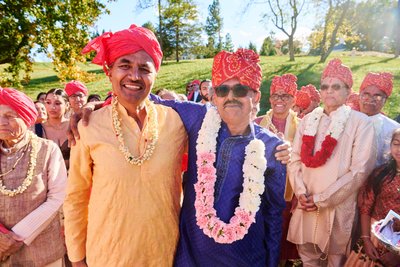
<point x="334" y="185"/>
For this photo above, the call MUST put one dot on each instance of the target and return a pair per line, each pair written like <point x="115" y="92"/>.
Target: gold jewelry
<point x="153" y="130"/>
<point x="29" y="175"/>
<point x="16" y="162"/>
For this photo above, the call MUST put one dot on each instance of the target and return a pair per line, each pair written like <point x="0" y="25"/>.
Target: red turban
<point x="74" y="87"/>
<point x="303" y="99"/>
<point x="286" y="82"/>
<point x="195" y="82"/>
<point x="353" y="101"/>
<point x="383" y="80"/>
<point x="335" y="69"/>
<point x="243" y="65"/>
<point x="19" y="102"/>
<point x="312" y="91"/>
<point x="110" y="47"/>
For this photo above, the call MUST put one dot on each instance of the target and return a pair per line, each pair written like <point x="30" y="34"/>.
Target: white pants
<point x="311" y="257"/>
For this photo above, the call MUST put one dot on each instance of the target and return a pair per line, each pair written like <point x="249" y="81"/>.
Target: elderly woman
<point x="32" y="182"/>
<point x="333" y="154"/>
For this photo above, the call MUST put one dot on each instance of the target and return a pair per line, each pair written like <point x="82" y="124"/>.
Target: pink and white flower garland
<point x="254" y="168"/>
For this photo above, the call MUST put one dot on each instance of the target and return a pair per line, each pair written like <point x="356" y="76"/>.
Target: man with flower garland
<point x="233" y="192"/>
<point x="333" y="153"/>
<point x="375" y="89"/>
<point x="123" y="193"/>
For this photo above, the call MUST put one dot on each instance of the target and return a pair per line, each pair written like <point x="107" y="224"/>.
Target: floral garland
<point x="335" y="130"/>
<point x="254" y="167"/>
<point x="29" y="175"/>
<point x="153" y="130"/>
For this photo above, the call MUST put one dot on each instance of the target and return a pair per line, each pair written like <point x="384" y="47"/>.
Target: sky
<point x="243" y="28"/>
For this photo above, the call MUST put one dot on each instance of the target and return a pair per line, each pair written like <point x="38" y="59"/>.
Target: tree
<point x="58" y="28"/>
<point x="144" y="4"/>
<point x="228" y="44"/>
<point x="252" y="46"/>
<point x="397" y="49"/>
<point x="180" y="21"/>
<point x="214" y="24"/>
<point x="267" y="48"/>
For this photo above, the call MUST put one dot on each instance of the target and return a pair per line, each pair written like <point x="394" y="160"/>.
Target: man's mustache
<point x="233" y="101"/>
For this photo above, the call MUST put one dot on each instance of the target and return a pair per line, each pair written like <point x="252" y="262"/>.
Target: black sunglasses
<point x="238" y="90"/>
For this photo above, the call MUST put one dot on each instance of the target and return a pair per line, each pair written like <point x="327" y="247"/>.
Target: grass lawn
<point x="174" y="75"/>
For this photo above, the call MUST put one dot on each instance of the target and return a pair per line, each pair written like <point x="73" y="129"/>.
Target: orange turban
<point x="286" y="82"/>
<point x="74" y="87"/>
<point x="242" y="64"/>
<point x="19" y="102"/>
<point x="353" y="101"/>
<point x="109" y="47"/>
<point x="383" y="80"/>
<point x="312" y="91"/>
<point x="335" y="69"/>
<point x="303" y="99"/>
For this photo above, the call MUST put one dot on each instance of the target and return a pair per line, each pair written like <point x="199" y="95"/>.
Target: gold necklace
<point x="16" y="162"/>
<point x="34" y="142"/>
<point x="153" y="130"/>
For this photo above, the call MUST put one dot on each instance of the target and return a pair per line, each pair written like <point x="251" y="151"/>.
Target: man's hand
<point x="370" y="249"/>
<point x="283" y="153"/>
<point x="390" y="259"/>
<point x="307" y="203"/>
<point x="9" y="244"/>
<point x="84" y="114"/>
<point x="81" y="263"/>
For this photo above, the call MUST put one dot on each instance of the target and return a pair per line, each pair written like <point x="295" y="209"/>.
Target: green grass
<point x="174" y="75"/>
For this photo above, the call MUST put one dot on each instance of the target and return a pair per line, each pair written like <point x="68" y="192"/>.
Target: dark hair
<point x="203" y="81"/>
<point x="60" y="92"/>
<point x="385" y="172"/>
<point x="40" y="94"/>
<point x="95" y="97"/>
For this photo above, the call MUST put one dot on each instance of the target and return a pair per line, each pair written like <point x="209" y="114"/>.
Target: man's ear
<point x="257" y="97"/>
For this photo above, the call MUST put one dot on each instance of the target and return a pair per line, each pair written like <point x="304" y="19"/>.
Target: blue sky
<point x="243" y="28"/>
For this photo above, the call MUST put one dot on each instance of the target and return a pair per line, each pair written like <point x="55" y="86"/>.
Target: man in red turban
<point x="314" y="96"/>
<point x="303" y="102"/>
<point x="19" y="102"/>
<point x="335" y="69"/>
<point x="194" y="94"/>
<point x="375" y="89"/>
<point x="77" y="94"/>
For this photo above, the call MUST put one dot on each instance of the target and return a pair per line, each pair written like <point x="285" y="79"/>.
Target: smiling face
<point x="132" y="77"/>
<point x="281" y="103"/>
<point x="12" y="126"/>
<point x="235" y="110"/>
<point x="372" y="100"/>
<point x="204" y="90"/>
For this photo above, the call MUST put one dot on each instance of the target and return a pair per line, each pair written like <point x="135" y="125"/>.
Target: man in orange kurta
<point x="122" y="203"/>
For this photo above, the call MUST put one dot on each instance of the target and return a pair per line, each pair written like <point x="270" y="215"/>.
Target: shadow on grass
<point x="47" y="79"/>
<point x="98" y="71"/>
<point x="385" y="60"/>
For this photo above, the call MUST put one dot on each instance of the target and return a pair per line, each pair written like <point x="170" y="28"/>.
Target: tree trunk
<point x="291" y="48"/>
<point x="160" y="25"/>
<point x="177" y="44"/>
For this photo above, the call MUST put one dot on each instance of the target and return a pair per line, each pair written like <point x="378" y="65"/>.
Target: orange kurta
<point x="118" y="214"/>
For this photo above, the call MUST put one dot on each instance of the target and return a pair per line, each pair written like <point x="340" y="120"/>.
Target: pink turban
<point x="19" y="102"/>
<point x="286" y="82"/>
<point x="353" y="101"/>
<point x="312" y="91"/>
<point x="335" y="69"/>
<point x="74" y="87"/>
<point x="110" y="47"/>
<point x="383" y="80"/>
<point x="242" y="64"/>
<point x="303" y="99"/>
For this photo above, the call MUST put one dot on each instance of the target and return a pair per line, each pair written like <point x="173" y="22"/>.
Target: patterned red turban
<point x="303" y="99"/>
<point x="353" y="101"/>
<point x="109" y="47"/>
<point x="19" y="102"/>
<point x="382" y="80"/>
<point x="286" y="82"/>
<point x="195" y="82"/>
<point x="74" y="87"/>
<point x="243" y="65"/>
<point x="335" y="69"/>
<point x="312" y="91"/>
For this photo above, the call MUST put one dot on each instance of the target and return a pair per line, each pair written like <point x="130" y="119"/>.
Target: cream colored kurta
<point x="118" y="214"/>
<point x="334" y="185"/>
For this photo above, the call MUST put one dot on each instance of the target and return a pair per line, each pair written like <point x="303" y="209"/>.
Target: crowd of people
<point x="197" y="179"/>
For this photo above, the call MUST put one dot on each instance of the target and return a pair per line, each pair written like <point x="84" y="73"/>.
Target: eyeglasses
<point x="74" y="96"/>
<point x="284" y="97"/>
<point x="377" y="97"/>
<point x="238" y="90"/>
<point x="335" y="87"/>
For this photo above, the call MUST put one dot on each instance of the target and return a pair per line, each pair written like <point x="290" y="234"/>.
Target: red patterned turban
<point x="74" y="87"/>
<point x="312" y="91"/>
<point x="242" y="64"/>
<point x="286" y="82"/>
<point x="353" y="101"/>
<point x="303" y="99"/>
<point x="110" y="46"/>
<point x="335" y="69"/>
<point x="382" y="80"/>
<point x="195" y="82"/>
<point x="19" y="102"/>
